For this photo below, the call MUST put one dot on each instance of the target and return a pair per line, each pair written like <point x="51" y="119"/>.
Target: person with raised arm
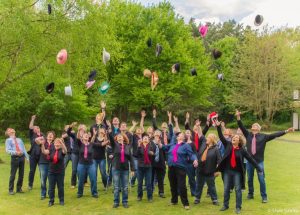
<point x="179" y="154"/>
<point x="16" y="149"/>
<point x="100" y="119"/>
<point x="256" y="144"/>
<point x="34" y="151"/>
<point x="165" y="137"/>
<point x="150" y="130"/>
<point x="137" y="135"/>
<point x="232" y="167"/>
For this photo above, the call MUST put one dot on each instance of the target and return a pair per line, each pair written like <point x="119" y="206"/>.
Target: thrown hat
<point x="220" y="76"/>
<point x="68" y="90"/>
<point x="258" y="20"/>
<point x="50" y="87"/>
<point x="147" y="73"/>
<point x="103" y="89"/>
<point x="158" y="49"/>
<point x="176" y="68"/>
<point x="213" y="116"/>
<point x="149" y="42"/>
<point x="90" y="83"/>
<point x="193" y="72"/>
<point x="203" y="30"/>
<point x="62" y="56"/>
<point x="216" y="53"/>
<point x="49" y="9"/>
<point x="92" y="75"/>
<point x="154" y="80"/>
<point x="105" y="56"/>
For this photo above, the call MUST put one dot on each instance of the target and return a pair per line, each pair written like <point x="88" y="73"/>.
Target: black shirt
<point x="67" y="141"/>
<point x="59" y="166"/>
<point x="161" y="161"/>
<point x="35" y="149"/>
<point x="238" y="157"/>
<point x="89" y="159"/>
<point x="140" y="154"/>
<point x="44" y="159"/>
<point x="98" y="150"/>
<point x="135" y="143"/>
<point x="116" y="151"/>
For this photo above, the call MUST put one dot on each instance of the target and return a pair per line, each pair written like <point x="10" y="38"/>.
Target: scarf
<point x="174" y="152"/>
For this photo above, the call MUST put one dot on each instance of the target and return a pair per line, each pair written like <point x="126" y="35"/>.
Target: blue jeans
<point x="261" y="179"/>
<point x="120" y="178"/>
<point x="56" y="179"/>
<point x="144" y="172"/>
<point x="210" y="180"/>
<point x="83" y="170"/>
<point x="102" y="167"/>
<point x="75" y="159"/>
<point x="43" y="175"/>
<point x="235" y="177"/>
<point x="191" y="173"/>
<point x="134" y="177"/>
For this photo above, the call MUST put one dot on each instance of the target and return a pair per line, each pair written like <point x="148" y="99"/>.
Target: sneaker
<point x="62" y="203"/>
<point x="224" y="208"/>
<point x="197" y="201"/>
<point x="139" y="199"/>
<point x="95" y="196"/>
<point x="250" y="196"/>
<point x="187" y="207"/>
<point x="125" y="205"/>
<point x="20" y="191"/>
<point x="72" y="187"/>
<point x="115" y="205"/>
<point x="237" y="210"/>
<point x="161" y="195"/>
<point x="50" y="204"/>
<point x="264" y="201"/>
<point x="79" y="195"/>
<point x="43" y="197"/>
<point x="11" y="193"/>
<point x="29" y="187"/>
<point x="216" y="203"/>
<point x="150" y="200"/>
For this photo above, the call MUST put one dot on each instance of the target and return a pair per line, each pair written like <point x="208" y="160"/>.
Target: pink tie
<point x="174" y="152"/>
<point x="85" y="155"/>
<point x="122" y="154"/>
<point x="253" y="148"/>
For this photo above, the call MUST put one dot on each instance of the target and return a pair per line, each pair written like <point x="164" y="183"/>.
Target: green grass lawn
<point x="282" y="176"/>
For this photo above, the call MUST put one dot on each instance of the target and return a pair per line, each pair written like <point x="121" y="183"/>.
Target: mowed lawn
<point x="282" y="163"/>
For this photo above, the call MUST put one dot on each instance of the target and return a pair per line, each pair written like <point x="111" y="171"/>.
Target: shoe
<point x="115" y="205"/>
<point x="139" y="199"/>
<point x="20" y="191"/>
<point x="161" y="195"/>
<point x="50" y="204"/>
<point x="125" y="205"/>
<point x="150" y="200"/>
<point x="250" y="196"/>
<point x="237" y="210"/>
<point x="62" y="203"/>
<point x="43" y="197"/>
<point x="207" y="195"/>
<point x="72" y="187"/>
<point x="264" y="201"/>
<point x="79" y="195"/>
<point x="224" y="208"/>
<point x="29" y="187"/>
<point x="11" y="193"/>
<point x="197" y="201"/>
<point x="95" y="196"/>
<point x="216" y="203"/>
<point x="187" y="207"/>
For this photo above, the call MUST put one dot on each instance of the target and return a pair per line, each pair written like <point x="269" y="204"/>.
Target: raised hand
<point x="197" y="122"/>
<point x="195" y="163"/>
<point x="102" y="104"/>
<point x="290" y="130"/>
<point x="143" y="113"/>
<point x="154" y="113"/>
<point x="169" y="114"/>
<point x="187" y="115"/>
<point x="238" y="114"/>
<point x="33" y="117"/>
<point x="73" y="124"/>
<point x="223" y="124"/>
<point x="134" y="123"/>
<point x="108" y="123"/>
<point x="175" y="119"/>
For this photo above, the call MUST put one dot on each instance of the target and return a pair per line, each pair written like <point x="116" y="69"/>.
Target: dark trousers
<point x="191" y="173"/>
<point x="159" y="173"/>
<point x="74" y="159"/>
<point x="177" y="178"/>
<point x="144" y="172"/>
<point x="235" y="177"/>
<point x="56" y="179"/>
<point x="33" y="162"/>
<point x="15" y="164"/>
<point x="210" y="180"/>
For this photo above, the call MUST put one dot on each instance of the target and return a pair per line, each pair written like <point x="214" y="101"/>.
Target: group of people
<point x="146" y="155"/>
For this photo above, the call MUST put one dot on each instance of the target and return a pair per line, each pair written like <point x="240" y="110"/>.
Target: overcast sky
<point x="276" y="13"/>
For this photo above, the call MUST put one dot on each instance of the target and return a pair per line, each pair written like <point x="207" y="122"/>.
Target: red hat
<point x="62" y="56"/>
<point x="212" y="117"/>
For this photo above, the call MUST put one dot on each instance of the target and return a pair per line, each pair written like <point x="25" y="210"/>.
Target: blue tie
<point x="156" y="154"/>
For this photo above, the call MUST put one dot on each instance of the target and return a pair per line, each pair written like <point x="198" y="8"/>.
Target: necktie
<point x="196" y="140"/>
<point x="165" y="138"/>
<point x="253" y="146"/>
<point x="85" y="155"/>
<point x="146" y="156"/>
<point x="55" y="157"/>
<point x="17" y="145"/>
<point x="174" y="152"/>
<point x="232" y="160"/>
<point x="71" y="143"/>
<point x="122" y="153"/>
<point x="204" y="155"/>
<point x="156" y="154"/>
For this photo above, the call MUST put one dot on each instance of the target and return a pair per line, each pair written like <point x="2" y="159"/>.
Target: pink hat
<point x="62" y="56"/>
<point x="203" y="30"/>
<point x="89" y="84"/>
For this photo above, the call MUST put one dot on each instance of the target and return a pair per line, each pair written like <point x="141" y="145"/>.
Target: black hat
<point x="158" y="49"/>
<point x="258" y="20"/>
<point x="50" y="87"/>
<point x="49" y="9"/>
<point x="176" y="68"/>
<point x="92" y="75"/>
<point x="220" y="76"/>
<point x="149" y="42"/>
<point x="216" y="54"/>
<point x="193" y="72"/>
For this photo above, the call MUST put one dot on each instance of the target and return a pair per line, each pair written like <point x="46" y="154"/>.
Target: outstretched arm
<point x="31" y="124"/>
<point x="134" y="123"/>
<point x="143" y="115"/>
<point x="240" y="124"/>
<point x="207" y="125"/>
<point x="186" y="123"/>
<point x="221" y="136"/>
<point x="154" y="125"/>
<point x="278" y="134"/>
<point x="176" y="124"/>
<point x="251" y="159"/>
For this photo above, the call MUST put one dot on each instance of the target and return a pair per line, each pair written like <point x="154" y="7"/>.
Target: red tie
<point x="232" y="160"/>
<point x="17" y="145"/>
<point x="196" y="139"/>
<point x="85" y="154"/>
<point x="165" y="138"/>
<point x="122" y="154"/>
<point x="55" y="157"/>
<point x="253" y="146"/>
